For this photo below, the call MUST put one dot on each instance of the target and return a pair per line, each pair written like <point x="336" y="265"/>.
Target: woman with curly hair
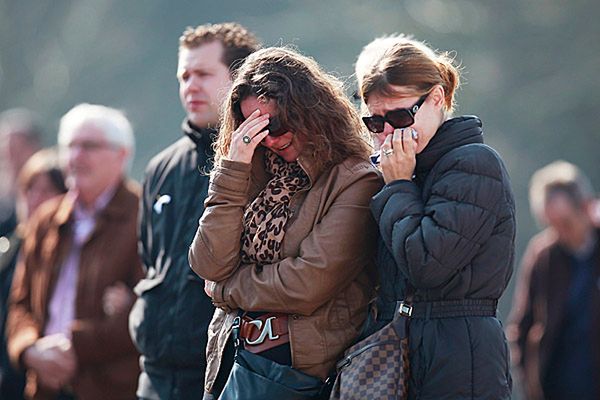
<point x="287" y="235"/>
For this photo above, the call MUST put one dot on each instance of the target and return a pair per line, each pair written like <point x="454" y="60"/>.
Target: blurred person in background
<point x="40" y="179"/>
<point x="554" y="327"/>
<point x="446" y="217"/>
<point x="170" y="319"/>
<point x="77" y="246"/>
<point x="596" y="212"/>
<point x="293" y="181"/>
<point x="20" y="137"/>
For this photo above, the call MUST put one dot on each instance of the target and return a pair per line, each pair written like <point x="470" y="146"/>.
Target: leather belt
<point x="264" y="332"/>
<point x="454" y="308"/>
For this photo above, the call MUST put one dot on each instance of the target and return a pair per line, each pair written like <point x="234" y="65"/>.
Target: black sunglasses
<point x="275" y="127"/>
<point x="398" y="118"/>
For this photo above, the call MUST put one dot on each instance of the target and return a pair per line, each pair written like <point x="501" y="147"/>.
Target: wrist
<point x="29" y="357"/>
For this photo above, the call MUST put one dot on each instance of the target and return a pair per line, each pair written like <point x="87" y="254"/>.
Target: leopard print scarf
<point x="266" y="216"/>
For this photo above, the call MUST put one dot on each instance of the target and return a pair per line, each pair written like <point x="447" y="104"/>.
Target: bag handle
<point x="235" y="330"/>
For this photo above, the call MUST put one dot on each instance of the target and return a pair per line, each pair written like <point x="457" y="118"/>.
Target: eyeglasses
<point x="90" y="145"/>
<point x="398" y="118"/>
<point x="275" y="127"/>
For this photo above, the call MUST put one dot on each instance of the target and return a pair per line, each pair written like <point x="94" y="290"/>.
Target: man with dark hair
<point x="554" y="327"/>
<point x="170" y="319"/>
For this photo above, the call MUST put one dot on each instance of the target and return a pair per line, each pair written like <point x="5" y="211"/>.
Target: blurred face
<point x="427" y="119"/>
<point x="286" y="145"/>
<point x="203" y="83"/>
<point x="17" y="151"/>
<point x="92" y="163"/>
<point x="571" y="224"/>
<point x="40" y="189"/>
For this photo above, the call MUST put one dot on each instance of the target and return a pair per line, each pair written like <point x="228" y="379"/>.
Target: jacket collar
<point x="309" y="166"/>
<point x="592" y="252"/>
<point x="260" y="175"/>
<point x="453" y="133"/>
<point x="113" y="210"/>
<point x="202" y="137"/>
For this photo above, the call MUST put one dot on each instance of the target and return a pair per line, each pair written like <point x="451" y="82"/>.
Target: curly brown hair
<point x="310" y="103"/>
<point x="238" y="42"/>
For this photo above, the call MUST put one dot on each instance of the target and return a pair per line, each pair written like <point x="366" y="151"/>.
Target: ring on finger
<point x="388" y="152"/>
<point x="246" y="139"/>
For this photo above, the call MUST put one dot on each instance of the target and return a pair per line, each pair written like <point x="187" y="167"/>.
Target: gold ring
<point x="388" y="152"/>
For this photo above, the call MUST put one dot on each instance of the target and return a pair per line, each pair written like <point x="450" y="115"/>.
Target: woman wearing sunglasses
<point x="446" y="218"/>
<point x="287" y="235"/>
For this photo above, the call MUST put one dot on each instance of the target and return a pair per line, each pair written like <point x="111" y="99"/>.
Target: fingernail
<point x="415" y="135"/>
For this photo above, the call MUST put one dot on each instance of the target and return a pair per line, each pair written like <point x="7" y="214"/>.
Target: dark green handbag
<point x="257" y="378"/>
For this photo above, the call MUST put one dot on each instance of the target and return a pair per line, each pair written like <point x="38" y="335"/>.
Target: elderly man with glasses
<point x="62" y="330"/>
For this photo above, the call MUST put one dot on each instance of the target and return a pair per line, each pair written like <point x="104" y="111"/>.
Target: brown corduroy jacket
<point x="539" y="310"/>
<point x="325" y="279"/>
<point x="107" y="360"/>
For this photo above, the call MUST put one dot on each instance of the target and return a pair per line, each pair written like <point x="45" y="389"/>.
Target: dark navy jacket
<point x="170" y="319"/>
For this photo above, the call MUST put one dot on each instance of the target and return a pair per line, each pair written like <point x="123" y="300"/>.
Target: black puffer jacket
<point x="450" y="234"/>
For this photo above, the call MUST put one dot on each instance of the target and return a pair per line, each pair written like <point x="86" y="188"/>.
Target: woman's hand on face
<point x="247" y="137"/>
<point x="398" y="155"/>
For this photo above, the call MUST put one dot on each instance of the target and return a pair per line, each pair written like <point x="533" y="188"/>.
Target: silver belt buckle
<point x="266" y="331"/>
<point x="405" y="309"/>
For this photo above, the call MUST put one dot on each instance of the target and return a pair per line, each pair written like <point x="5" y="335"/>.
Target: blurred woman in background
<point x="40" y="179"/>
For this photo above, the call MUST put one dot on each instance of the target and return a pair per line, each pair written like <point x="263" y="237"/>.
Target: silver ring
<point x="246" y="139"/>
<point x="388" y="152"/>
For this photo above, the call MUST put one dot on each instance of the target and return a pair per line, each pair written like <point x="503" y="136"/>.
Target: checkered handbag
<point x="377" y="367"/>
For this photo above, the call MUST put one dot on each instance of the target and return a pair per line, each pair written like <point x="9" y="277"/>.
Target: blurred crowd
<point x="97" y="297"/>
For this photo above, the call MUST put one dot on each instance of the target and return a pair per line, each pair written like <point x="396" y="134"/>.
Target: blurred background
<point x="530" y="66"/>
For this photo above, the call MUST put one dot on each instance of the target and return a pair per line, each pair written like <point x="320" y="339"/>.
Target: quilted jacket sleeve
<point x="435" y="235"/>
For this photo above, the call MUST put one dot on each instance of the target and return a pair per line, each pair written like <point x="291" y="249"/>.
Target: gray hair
<point x="111" y="122"/>
<point x="558" y="177"/>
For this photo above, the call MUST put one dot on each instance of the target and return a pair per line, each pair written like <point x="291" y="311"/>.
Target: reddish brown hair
<point x="411" y="64"/>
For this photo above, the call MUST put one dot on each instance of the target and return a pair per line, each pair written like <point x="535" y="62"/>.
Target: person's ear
<point x="123" y="155"/>
<point x="438" y="96"/>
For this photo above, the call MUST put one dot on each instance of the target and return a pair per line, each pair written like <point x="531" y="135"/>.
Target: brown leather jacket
<point x="107" y="360"/>
<point x="539" y="309"/>
<point x="326" y="277"/>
